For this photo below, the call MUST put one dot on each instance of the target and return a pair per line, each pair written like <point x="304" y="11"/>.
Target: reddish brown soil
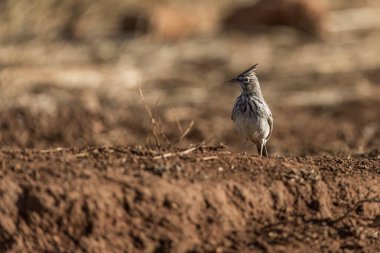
<point x="205" y="199"/>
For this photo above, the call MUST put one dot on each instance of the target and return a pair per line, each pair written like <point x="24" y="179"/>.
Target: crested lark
<point x="251" y="114"/>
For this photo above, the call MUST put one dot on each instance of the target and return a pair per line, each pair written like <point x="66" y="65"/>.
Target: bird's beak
<point x="233" y="80"/>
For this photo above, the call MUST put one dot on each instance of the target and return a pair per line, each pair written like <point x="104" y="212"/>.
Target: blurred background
<point x="70" y="72"/>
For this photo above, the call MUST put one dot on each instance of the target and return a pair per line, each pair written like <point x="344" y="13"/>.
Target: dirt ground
<point x="202" y="199"/>
<point x="80" y="168"/>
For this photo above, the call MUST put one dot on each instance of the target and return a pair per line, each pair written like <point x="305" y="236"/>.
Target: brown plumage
<point x="251" y="114"/>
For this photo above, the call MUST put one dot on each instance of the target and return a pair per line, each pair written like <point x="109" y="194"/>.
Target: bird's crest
<point x="249" y="71"/>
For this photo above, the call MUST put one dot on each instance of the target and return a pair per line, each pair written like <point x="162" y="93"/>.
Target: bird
<point x="251" y="115"/>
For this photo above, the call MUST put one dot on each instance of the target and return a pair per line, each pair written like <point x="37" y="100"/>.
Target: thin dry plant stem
<point x="182" y="133"/>
<point x="186" y="132"/>
<point x="155" y="125"/>
<point x="178" y="124"/>
<point x="152" y="122"/>
<point x="185" y="152"/>
<point x="207" y="158"/>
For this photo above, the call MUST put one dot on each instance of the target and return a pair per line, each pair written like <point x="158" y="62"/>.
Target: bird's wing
<point x="270" y="122"/>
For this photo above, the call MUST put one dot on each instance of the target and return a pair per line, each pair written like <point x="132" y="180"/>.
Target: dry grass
<point x="157" y="129"/>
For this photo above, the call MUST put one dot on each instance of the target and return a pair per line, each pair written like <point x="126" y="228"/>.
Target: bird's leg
<point x="265" y="150"/>
<point x="259" y="149"/>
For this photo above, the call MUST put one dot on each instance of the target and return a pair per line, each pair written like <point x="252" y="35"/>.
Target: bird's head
<point x="247" y="80"/>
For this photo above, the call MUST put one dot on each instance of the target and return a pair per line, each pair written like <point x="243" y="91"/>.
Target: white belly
<point x="252" y="128"/>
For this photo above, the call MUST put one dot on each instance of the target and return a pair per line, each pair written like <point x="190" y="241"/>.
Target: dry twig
<point x="207" y="158"/>
<point x="186" y="132"/>
<point x="178" y="124"/>
<point x="155" y="125"/>
<point x="187" y="151"/>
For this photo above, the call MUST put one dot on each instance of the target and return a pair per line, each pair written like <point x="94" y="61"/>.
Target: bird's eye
<point x="246" y="79"/>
